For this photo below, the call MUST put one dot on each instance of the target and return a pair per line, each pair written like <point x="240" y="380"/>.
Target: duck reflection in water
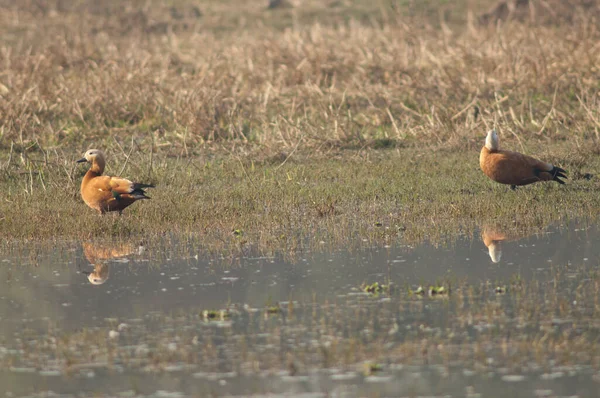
<point x="492" y="238"/>
<point x="493" y="234"/>
<point x="98" y="255"/>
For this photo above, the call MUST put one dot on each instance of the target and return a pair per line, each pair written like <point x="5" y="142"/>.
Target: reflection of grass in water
<point x="534" y="323"/>
<point x="231" y="207"/>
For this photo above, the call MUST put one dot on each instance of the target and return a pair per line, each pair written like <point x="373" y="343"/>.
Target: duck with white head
<point x="514" y="168"/>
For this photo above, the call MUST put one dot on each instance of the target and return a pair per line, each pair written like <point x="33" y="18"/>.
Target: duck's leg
<point x="513" y="187"/>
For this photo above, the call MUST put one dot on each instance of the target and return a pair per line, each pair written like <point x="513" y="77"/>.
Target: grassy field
<point x="327" y="121"/>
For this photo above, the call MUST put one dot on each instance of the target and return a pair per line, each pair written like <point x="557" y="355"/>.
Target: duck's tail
<point x="138" y="190"/>
<point x="557" y="174"/>
<point x="137" y="185"/>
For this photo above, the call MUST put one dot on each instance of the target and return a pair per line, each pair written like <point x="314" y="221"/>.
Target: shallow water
<point x="111" y="318"/>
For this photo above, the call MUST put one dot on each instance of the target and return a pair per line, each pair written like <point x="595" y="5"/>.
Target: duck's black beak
<point x="82" y="160"/>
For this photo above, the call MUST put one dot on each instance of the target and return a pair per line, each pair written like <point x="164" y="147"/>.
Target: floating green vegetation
<point x="438" y="291"/>
<point x="500" y="289"/>
<point x="419" y="291"/>
<point x="272" y="310"/>
<point x="376" y="288"/>
<point x="222" y="315"/>
<point x="432" y="291"/>
<point x="372" y="367"/>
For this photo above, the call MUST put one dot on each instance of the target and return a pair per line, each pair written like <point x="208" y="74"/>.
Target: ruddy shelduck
<point x="105" y="193"/>
<point x="513" y="168"/>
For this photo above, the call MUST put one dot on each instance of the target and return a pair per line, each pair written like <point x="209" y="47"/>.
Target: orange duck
<point x="105" y="193"/>
<point x="513" y="168"/>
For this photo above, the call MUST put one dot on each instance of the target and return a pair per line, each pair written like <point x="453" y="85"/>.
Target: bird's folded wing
<point x="112" y="184"/>
<point x="121" y="185"/>
<point x="536" y="164"/>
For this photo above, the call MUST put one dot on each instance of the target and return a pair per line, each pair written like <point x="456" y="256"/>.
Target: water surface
<point x="115" y="318"/>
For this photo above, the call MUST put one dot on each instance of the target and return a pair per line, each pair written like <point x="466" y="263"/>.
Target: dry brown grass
<point x="181" y="77"/>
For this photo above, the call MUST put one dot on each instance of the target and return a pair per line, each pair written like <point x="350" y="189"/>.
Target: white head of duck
<point x="491" y="141"/>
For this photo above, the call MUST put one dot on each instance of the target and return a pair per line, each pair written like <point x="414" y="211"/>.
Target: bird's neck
<point x="97" y="167"/>
<point x="94" y="171"/>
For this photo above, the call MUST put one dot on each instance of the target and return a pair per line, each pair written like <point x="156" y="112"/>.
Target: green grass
<point x="228" y="202"/>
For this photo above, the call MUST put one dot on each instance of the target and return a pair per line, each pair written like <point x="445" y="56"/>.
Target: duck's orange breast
<point x="91" y="196"/>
